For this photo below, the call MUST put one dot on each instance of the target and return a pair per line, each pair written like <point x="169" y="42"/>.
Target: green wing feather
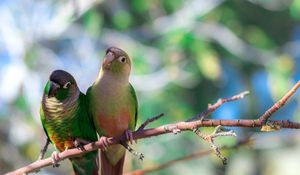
<point x="88" y="164"/>
<point x="135" y="103"/>
<point x="42" y="117"/>
<point x="88" y="130"/>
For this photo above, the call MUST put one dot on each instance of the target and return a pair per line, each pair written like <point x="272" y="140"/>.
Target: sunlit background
<point x="186" y="54"/>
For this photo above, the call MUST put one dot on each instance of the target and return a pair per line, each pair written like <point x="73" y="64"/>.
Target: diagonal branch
<point x="212" y="108"/>
<point x="148" y="121"/>
<point x="279" y="104"/>
<point x="181" y="126"/>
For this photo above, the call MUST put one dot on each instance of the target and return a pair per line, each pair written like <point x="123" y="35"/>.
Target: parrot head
<point x="61" y="85"/>
<point x="116" y="61"/>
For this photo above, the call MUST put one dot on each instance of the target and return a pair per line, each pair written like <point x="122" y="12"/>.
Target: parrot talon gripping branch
<point x="79" y="143"/>
<point x="140" y="156"/>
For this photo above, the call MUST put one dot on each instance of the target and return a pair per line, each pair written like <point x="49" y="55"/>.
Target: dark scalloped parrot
<point x="65" y="119"/>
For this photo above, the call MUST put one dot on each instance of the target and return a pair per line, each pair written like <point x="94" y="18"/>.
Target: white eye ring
<point x="122" y="59"/>
<point x="66" y="85"/>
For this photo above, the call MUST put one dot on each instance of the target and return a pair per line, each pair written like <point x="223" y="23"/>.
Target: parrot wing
<point x="135" y="103"/>
<point x="42" y="116"/>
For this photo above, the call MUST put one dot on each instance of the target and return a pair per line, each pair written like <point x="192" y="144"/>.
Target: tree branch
<point x="182" y="126"/>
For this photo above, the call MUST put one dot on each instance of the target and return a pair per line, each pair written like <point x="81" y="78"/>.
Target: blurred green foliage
<point x="186" y="55"/>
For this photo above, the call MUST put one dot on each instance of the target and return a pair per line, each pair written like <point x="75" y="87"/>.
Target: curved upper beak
<point x="53" y="89"/>
<point x="109" y="57"/>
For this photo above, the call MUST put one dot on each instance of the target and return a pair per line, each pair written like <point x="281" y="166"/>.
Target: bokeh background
<point x="186" y="54"/>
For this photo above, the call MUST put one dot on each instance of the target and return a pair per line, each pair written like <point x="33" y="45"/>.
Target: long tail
<point x="88" y="164"/>
<point x="108" y="169"/>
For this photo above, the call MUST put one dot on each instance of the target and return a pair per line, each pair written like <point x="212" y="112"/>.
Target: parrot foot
<point x="104" y="142"/>
<point x="140" y="156"/>
<point x="129" y="136"/>
<point x="79" y="143"/>
<point x="55" y="159"/>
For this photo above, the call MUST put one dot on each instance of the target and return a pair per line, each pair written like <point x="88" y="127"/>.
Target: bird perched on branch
<point x="66" y="121"/>
<point x="113" y="105"/>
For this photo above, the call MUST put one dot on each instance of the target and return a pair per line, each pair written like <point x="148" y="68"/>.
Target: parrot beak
<point x="53" y="89"/>
<point x="109" y="57"/>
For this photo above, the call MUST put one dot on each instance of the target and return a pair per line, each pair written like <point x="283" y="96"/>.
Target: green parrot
<point x="113" y="105"/>
<point x="66" y="121"/>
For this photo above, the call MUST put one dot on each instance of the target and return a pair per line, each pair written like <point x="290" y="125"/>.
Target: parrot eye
<point x="122" y="59"/>
<point x="67" y="85"/>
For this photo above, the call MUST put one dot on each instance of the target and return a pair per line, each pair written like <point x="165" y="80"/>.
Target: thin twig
<point x="210" y="138"/>
<point x="212" y="108"/>
<point x="196" y="155"/>
<point x="148" y="121"/>
<point x="279" y="104"/>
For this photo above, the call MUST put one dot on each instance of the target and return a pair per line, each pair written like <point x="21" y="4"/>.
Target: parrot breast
<point x="59" y="118"/>
<point x="114" y="125"/>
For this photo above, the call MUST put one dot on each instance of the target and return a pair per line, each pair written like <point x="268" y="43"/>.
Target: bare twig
<point x="279" y="104"/>
<point x="150" y="120"/>
<point x="212" y="108"/>
<point x="196" y="155"/>
<point x="182" y="126"/>
<point x="210" y="138"/>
